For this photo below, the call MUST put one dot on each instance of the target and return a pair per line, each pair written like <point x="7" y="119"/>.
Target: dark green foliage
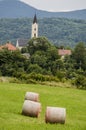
<point x="14" y="80"/>
<point x="11" y="29"/>
<point x="40" y="77"/>
<point x="24" y="50"/>
<point x="12" y="62"/>
<point x="80" y="82"/>
<point x="42" y="53"/>
<point x="79" y="55"/>
<point x="43" y="58"/>
<point x="61" y="31"/>
<point x="39" y="59"/>
<point x="34" y="68"/>
<point x="60" y="75"/>
<point x="44" y="64"/>
<point x="38" y="44"/>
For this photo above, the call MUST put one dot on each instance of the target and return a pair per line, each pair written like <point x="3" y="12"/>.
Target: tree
<point x="39" y="59"/>
<point x="43" y="53"/>
<point x="79" y="55"/>
<point x="52" y="53"/>
<point x="34" y="68"/>
<point x="38" y="44"/>
<point x="12" y="62"/>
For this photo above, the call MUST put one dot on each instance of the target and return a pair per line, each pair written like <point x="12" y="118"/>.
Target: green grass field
<point x="12" y="99"/>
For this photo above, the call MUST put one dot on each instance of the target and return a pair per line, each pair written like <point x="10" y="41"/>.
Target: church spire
<point x="35" y="19"/>
<point x="34" y="27"/>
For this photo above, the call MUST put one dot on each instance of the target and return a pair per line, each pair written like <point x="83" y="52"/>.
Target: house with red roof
<point x="63" y="52"/>
<point x="9" y="46"/>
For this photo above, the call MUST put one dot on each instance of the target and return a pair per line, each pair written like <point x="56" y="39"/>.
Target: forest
<point x="44" y="63"/>
<point x="60" y="31"/>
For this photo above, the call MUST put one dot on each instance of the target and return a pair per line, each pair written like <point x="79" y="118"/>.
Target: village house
<point x="8" y="46"/>
<point x="63" y="52"/>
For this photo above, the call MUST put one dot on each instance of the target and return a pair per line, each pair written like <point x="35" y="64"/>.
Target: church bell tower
<point x="34" y="27"/>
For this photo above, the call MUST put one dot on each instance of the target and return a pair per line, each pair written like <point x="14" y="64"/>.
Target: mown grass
<point x="12" y="99"/>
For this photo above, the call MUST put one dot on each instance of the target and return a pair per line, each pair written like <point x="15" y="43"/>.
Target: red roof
<point x="63" y="52"/>
<point x="9" y="46"/>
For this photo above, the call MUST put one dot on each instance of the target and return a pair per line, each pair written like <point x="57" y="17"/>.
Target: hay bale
<point x="32" y="96"/>
<point x="31" y="108"/>
<point x="55" y="115"/>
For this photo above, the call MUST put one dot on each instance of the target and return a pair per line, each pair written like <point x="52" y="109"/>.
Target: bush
<point x="80" y="82"/>
<point x="30" y="81"/>
<point x="40" y="77"/>
<point x="71" y="74"/>
<point x="0" y="73"/>
<point x="34" y="68"/>
<point x="60" y="75"/>
<point x="14" y="80"/>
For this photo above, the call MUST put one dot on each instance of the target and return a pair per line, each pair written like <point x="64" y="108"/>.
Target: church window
<point x="34" y="34"/>
<point x="34" y="29"/>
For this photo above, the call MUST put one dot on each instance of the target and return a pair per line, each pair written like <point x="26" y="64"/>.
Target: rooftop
<point x="9" y="46"/>
<point x="64" y="52"/>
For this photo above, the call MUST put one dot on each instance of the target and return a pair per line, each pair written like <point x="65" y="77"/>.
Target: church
<point x="34" y="34"/>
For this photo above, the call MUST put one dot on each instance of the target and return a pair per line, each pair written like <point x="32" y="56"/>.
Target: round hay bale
<point x="55" y="115"/>
<point x="32" y="96"/>
<point x="31" y="108"/>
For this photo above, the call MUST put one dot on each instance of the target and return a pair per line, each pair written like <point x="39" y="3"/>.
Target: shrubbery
<point x="33" y="78"/>
<point x="80" y="82"/>
<point x="40" y="77"/>
<point x="44" y="64"/>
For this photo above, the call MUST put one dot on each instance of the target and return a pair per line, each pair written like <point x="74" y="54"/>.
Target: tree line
<point x="60" y="31"/>
<point x="44" y="63"/>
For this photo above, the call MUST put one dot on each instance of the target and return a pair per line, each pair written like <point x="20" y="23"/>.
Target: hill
<point x="18" y="9"/>
<point x="60" y="31"/>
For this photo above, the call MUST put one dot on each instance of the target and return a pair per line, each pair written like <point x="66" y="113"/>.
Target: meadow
<point x="12" y="99"/>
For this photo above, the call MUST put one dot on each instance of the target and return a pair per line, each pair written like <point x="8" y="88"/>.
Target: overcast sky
<point x="57" y="5"/>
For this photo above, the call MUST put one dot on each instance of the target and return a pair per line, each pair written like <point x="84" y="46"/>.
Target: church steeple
<point x="35" y="19"/>
<point x="34" y="27"/>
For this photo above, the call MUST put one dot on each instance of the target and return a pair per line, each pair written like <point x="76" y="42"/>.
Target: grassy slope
<point x="12" y="98"/>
